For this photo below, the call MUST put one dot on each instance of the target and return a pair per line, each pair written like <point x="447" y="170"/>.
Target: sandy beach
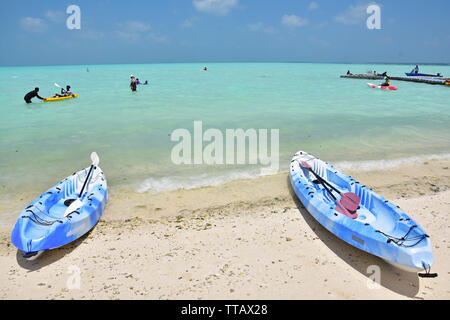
<point x="147" y="150"/>
<point x="247" y="239"/>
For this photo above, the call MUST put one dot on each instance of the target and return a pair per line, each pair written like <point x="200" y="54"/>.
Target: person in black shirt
<point x="30" y="95"/>
<point x="387" y="82"/>
<point x="133" y="83"/>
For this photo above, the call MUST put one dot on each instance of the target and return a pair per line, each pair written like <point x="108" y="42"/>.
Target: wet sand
<point x="247" y="239"/>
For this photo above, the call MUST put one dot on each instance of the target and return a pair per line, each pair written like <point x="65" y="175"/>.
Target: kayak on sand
<point x="63" y="213"/>
<point x="359" y="216"/>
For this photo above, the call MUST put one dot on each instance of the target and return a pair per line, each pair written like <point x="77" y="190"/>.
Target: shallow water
<point x="314" y="110"/>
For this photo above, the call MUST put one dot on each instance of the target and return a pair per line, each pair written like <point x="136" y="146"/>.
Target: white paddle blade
<point x="95" y="159"/>
<point x="57" y="85"/>
<point x="77" y="204"/>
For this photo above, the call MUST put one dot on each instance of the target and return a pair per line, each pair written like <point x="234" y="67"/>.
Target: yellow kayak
<point x="60" y="98"/>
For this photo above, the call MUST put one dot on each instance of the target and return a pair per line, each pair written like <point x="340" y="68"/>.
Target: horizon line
<point x="203" y="62"/>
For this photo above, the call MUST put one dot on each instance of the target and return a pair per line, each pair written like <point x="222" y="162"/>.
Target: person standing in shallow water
<point x="133" y="83"/>
<point x="30" y="95"/>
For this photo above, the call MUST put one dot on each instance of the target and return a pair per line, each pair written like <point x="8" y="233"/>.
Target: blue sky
<point x="35" y="32"/>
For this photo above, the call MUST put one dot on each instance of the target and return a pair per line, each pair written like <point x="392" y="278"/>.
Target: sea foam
<point x="155" y="185"/>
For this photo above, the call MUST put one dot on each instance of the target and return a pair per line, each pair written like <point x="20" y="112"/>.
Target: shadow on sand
<point x="45" y="258"/>
<point x="392" y="278"/>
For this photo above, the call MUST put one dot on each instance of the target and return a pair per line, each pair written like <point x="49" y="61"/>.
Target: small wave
<point x="164" y="184"/>
<point x="170" y="183"/>
<point x="372" y="165"/>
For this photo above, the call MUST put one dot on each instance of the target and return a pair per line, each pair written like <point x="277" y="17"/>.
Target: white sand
<point x="248" y="239"/>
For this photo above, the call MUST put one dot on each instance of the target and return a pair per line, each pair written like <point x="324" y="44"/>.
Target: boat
<point x="51" y="99"/>
<point x="63" y="213"/>
<point x="410" y="74"/>
<point x="359" y="216"/>
<point x="382" y="87"/>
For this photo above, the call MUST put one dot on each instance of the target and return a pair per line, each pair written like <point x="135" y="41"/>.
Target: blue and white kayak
<point x="55" y="219"/>
<point x="375" y="225"/>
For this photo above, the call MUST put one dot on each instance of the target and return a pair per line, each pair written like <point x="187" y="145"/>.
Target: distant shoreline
<point x="216" y="62"/>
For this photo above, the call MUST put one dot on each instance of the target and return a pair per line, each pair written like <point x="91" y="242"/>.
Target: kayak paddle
<point x="57" y="85"/>
<point x="349" y="202"/>
<point x="75" y="205"/>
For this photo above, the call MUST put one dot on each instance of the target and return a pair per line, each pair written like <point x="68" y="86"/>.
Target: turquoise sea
<point x="314" y="110"/>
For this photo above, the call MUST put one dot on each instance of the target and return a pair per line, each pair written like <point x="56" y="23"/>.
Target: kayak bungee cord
<point x="400" y="241"/>
<point x="38" y="220"/>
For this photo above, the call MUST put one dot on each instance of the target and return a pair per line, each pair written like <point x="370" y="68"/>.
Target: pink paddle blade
<point x="341" y="209"/>
<point x="350" y="201"/>
<point x="305" y="165"/>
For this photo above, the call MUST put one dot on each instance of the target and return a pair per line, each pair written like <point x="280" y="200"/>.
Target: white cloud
<point x="91" y="35"/>
<point x="352" y="15"/>
<point x="256" y="26"/>
<point x="132" y="30"/>
<point x="137" y="30"/>
<point x="189" y="23"/>
<point x="33" y="24"/>
<point x="320" y="42"/>
<point x="128" y="35"/>
<point x="55" y="16"/>
<point x="219" y="7"/>
<point x="313" y="6"/>
<point x="293" y="21"/>
<point x="156" y="38"/>
<point x="261" y="27"/>
<point x="185" y="43"/>
<point x="136" y="26"/>
<point x="322" y="25"/>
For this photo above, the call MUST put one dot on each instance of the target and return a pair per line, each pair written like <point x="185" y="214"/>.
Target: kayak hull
<point x="42" y="225"/>
<point x="378" y="220"/>
<point x="50" y="99"/>
<point x="380" y="87"/>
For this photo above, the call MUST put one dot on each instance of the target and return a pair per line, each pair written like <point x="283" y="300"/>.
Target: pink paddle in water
<point x="349" y="202"/>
